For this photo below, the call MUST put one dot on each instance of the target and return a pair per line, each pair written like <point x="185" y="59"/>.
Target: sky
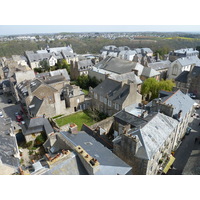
<point x="98" y="16"/>
<point x="28" y="29"/>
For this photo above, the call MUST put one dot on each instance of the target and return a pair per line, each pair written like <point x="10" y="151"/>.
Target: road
<point x="9" y="109"/>
<point x="188" y="144"/>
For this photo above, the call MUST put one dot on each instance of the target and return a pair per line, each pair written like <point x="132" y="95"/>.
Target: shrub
<point x="29" y="144"/>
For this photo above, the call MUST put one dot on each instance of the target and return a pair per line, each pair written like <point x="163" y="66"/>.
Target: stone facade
<point x="104" y="104"/>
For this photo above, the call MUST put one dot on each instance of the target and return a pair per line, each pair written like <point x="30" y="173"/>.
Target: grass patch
<point x="56" y="116"/>
<point x="86" y="92"/>
<point x="78" y="118"/>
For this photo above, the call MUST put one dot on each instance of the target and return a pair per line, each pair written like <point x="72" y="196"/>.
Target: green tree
<point x="151" y="87"/>
<point x="45" y="66"/>
<point x="83" y="81"/>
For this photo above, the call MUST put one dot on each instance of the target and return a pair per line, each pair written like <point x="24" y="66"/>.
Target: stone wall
<point x="106" y="124"/>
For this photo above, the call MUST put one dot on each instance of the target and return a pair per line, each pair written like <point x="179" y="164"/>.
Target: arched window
<point x="175" y="70"/>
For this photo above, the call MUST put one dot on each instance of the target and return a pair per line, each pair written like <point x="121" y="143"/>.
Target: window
<point x="105" y="101"/>
<point x="116" y="106"/>
<point x="95" y="95"/>
<point x="101" y="98"/>
<point x="175" y="70"/>
<point x="109" y="103"/>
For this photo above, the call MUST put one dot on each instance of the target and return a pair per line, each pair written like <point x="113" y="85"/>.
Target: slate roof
<point x="120" y="95"/>
<point x="36" y="102"/>
<point x="107" y="87"/>
<point x="56" y="50"/>
<point x="148" y="50"/>
<point x="127" y="76"/>
<point x="35" y="125"/>
<point x="8" y="144"/>
<point x="184" y="61"/>
<point x="109" y="47"/>
<point x="160" y="65"/>
<point x="180" y="101"/>
<point x="187" y="50"/>
<point x="110" y="164"/>
<point x="195" y="71"/>
<point x="53" y="75"/>
<point x="69" y="165"/>
<point x="153" y="135"/>
<point x="124" y="118"/>
<point x="182" y="77"/>
<point x="122" y="48"/>
<point x="39" y="56"/>
<point x="85" y="64"/>
<point x="33" y="84"/>
<point x="149" y="72"/>
<point x="116" y="65"/>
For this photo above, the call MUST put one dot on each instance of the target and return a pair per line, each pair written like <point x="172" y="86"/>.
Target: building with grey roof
<point x="148" y="143"/>
<point x="149" y="138"/>
<point x="162" y="67"/>
<point x="119" y="66"/>
<point x="55" y="50"/>
<point x="9" y="153"/>
<point x="80" y="67"/>
<point x="178" y="106"/>
<point x="51" y="55"/>
<point x="110" y="96"/>
<point x="188" y="82"/>
<point x="124" y="52"/>
<point x="180" y="53"/>
<point x="33" y="127"/>
<point x="182" y="64"/>
<point x="86" y="156"/>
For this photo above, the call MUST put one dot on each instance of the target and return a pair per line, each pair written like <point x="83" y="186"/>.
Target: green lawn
<point x="85" y="91"/>
<point x="77" y="118"/>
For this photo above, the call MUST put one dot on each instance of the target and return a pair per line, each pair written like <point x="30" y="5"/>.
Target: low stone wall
<point x="105" y="124"/>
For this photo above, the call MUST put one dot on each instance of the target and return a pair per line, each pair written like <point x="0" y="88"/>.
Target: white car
<point x="1" y="114"/>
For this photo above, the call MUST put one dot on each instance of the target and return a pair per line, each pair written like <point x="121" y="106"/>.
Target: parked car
<point x="188" y="130"/>
<point x="1" y="114"/>
<point x="9" y="101"/>
<point x="196" y="105"/>
<point x="193" y="96"/>
<point x="17" y="113"/>
<point x="19" y="118"/>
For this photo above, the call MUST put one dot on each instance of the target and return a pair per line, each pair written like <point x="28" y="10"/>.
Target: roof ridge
<point x="171" y="95"/>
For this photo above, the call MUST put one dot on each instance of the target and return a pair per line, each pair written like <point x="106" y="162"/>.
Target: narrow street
<point x="9" y="109"/>
<point x="188" y="144"/>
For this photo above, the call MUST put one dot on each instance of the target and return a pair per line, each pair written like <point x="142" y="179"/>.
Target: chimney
<point x="179" y="114"/>
<point x="135" y="71"/>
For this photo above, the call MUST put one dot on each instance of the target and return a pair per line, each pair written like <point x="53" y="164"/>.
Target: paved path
<point x="9" y="109"/>
<point x="188" y="144"/>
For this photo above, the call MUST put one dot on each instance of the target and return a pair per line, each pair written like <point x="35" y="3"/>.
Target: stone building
<point x="188" y="82"/>
<point x="111" y="96"/>
<point x="48" y="99"/>
<point x="112" y="65"/>
<point x="79" y="68"/>
<point x="18" y="77"/>
<point x="51" y="55"/>
<point x="182" y="64"/>
<point x="74" y="98"/>
<point x="79" y="154"/>
<point x="9" y="152"/>
<point x="31" y="128"/>
<point x="147" y="148"/>
<point x="182" y="53"/>
<point x="146" y="141"/>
